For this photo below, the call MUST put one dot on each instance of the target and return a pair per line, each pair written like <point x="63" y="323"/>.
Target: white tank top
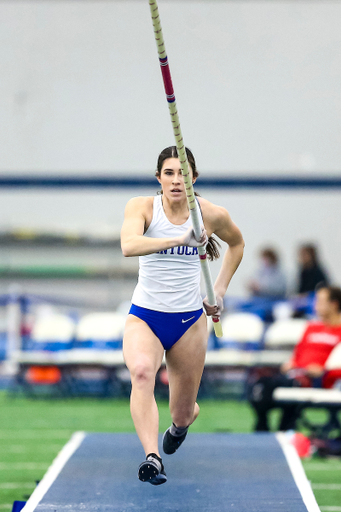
<point x="169" y="280"/>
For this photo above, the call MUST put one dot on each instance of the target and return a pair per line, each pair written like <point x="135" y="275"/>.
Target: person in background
<point x="269" y="280"/>
<point x="306" y="366"/>
<point x="311" y="272"/>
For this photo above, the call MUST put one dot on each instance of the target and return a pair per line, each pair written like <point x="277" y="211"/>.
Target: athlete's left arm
<point x="227" y="231"/>
<point x="218" y="221"/>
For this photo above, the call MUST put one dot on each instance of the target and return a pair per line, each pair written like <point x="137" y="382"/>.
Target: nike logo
<point x="188" y="319"/>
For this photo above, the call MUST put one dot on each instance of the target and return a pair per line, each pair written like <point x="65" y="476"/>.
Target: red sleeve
<point x="330" y="378"/>
<point x="299" y="348"/>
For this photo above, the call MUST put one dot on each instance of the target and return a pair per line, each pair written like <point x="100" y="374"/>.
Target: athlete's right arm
<point x="133" y="243"/>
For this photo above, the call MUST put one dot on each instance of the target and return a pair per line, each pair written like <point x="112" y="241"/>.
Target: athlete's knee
<point x="183" y="416"/>
<point x="142" y="374"/>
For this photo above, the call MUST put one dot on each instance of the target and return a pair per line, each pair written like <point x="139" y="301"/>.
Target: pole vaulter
<point x="192" y="203"/>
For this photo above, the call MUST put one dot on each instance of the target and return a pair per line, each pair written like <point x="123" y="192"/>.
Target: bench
<point x="307" y="398"/>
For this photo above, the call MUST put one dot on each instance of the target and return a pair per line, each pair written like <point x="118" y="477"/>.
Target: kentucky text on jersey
<point x="189" y="251"/>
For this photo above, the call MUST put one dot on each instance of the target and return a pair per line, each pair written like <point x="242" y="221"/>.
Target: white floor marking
<point x="21" y="448"/>
<point x="298" y="473"/>
<point x="322" y="467"/>
<point x="7" y="466"/>
<point x="327" y="487"/>
<point x="17" y="485"/>
<point x="331" y="509"/>
<point x="54" y="470"/>
<point x="34" y="433"/>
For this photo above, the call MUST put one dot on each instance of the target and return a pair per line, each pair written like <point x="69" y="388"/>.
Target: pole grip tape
<point x="167" y="79"/>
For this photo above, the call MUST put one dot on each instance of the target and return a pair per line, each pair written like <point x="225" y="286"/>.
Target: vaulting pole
<point x="192" y="203"/>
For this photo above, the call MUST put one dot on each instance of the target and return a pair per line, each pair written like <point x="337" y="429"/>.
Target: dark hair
<point x="311" y="249"/>
<point x="270" y="254"/>
<point x="334" y="293"/>
<point x="171" y="152"/>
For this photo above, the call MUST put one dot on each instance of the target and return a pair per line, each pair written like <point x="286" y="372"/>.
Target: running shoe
<point x="172" y="443"/>
<point x="152" y="470"/>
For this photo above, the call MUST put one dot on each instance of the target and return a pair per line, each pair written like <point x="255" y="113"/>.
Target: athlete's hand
<point x="214" y="310"/>
<point x="190" y="240"/>
<point x="314" y="370"/>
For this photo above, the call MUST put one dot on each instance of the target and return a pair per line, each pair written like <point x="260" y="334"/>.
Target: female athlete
<point x="167" y="310"/>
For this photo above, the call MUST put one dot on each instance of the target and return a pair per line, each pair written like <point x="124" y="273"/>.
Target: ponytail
<point x="212" y="247"/>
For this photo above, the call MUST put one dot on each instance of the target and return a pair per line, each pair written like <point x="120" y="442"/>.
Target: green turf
<point x="34" y="431"/>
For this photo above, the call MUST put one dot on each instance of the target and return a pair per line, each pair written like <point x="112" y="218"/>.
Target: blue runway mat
<point x="210" y="472"/>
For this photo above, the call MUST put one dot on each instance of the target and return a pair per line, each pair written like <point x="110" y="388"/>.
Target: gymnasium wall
<point x="283" y="219"/>
<point x="258" y="90"/>
<point x="257" y="84"/>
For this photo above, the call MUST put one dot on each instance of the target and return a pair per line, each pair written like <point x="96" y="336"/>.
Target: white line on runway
<point x="298" y="473"/>
<point x="54" y="470"/>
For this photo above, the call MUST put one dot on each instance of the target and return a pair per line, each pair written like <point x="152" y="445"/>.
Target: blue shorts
<point x="168" y="327"/>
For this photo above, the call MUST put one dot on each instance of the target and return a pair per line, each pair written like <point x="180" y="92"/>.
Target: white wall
<point x="257" y="85"/>
<point x="258" y="90"/>
<point x="282" y="219"/>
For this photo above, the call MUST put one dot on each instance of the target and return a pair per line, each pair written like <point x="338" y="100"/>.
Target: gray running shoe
<point x="172" y="443"/>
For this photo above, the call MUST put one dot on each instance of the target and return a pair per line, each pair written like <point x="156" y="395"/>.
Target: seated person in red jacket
<point x="306" y="366"/>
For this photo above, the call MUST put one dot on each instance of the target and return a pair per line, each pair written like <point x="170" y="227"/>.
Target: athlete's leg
<point x="143" y="354"/>
<point x="185" y="364"/>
